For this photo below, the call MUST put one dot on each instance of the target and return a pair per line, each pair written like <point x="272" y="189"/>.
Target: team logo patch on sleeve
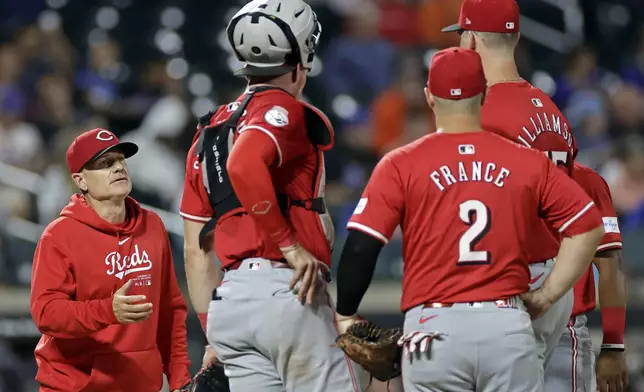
<point x="610" y="224"/>
<point x="277" y="116"/>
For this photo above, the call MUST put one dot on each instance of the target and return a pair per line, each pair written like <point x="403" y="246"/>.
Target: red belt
<point x="500" y="303"/>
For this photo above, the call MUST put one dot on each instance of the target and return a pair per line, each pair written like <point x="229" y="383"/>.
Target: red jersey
<point x="80" y="261"/>
<point x="597" y="189"/>
<point x="299" y="174"/>
<point x="524" y="114"/>
<point x="467" y="204"/>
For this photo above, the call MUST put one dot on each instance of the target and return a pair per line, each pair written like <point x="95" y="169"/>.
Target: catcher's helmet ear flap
<point x="273" y="36"/>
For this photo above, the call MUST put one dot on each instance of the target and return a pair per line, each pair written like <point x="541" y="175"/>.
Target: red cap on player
<point x="92" y="144"/>
<point x="491" y="16"/>
<point x="456" y="73"/>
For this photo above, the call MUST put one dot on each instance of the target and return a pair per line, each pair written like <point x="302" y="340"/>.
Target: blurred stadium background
<point x="147" y="68"/>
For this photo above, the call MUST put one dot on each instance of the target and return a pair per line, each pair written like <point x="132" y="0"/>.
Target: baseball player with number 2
<point x="467" y="202"/>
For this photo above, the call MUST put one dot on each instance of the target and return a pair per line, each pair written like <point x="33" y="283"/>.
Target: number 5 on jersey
<point x="560" y="158"/>
<point x="477" y="216"/>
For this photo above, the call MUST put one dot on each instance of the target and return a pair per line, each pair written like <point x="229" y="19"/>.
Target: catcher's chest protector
<point x="213" y="149"/>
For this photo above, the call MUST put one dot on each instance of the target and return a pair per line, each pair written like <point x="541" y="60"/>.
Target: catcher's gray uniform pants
<point x="549" y="327"/>
<point x="487" y="348"/>
<point x="572" y="365"/>
<point x="270" y="342"/>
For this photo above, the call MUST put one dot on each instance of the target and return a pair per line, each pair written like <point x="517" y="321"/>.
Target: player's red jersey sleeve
<point x="282" y="119"/>
<point x="380" y="209"/>
<point x="194" y="201"/>
<point x="598" y="190"/>
<point x="564" y="204"/>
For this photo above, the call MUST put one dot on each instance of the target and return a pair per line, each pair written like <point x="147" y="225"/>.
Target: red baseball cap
<point x="490" y="16"/>
<point x="92" y="144"/>
<point x="456" y="73"/>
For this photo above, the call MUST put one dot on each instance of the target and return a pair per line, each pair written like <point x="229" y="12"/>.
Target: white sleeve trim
<point x="577" y="216"/>
<point x="270" y="134"/>
<point x="195" y="217"/>
<point x="609" y="245"/>
<point x="367" y="230"/>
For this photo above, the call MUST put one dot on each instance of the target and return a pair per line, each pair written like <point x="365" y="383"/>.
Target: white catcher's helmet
<point x="273" y="36"/>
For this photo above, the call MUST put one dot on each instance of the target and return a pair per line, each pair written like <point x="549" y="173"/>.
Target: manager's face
<point x="106" y="177"/>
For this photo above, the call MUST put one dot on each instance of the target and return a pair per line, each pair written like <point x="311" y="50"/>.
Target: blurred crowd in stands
<point x="146" y="69"/>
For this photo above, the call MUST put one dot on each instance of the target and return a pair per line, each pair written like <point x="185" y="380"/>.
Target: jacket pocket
<point x="140" y="371"/>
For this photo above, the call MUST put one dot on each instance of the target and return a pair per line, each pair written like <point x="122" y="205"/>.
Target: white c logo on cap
<point x="101" y="135"/>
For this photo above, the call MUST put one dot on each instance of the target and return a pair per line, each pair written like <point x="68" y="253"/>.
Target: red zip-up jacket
<point x="80" y="261"/>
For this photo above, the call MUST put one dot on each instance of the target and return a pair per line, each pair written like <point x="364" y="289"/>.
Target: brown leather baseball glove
<point x="374" y="348"/>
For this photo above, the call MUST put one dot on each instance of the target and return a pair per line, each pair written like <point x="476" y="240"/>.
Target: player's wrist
<point x="546" y="294"/>
<point x="340" y="317"/>
<point x="288" y="245"/>
<point x="613" y="326"/>
<point x="613" y="347"/>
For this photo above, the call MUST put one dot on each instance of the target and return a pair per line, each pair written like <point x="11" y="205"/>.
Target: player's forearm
<point x="573" y="259"/>
<point x="67" y="319"/>
<point x="611" y="284"/>
<point x="248" y="168"/>
<point x="202" y="275"/>
<point x="355" y="271"/>
<point x="612" y="297"/>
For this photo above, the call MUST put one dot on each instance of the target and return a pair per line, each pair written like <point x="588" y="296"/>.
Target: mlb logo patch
<point x="468" y="21"/>
<point x="466" y="149"/>
<point x="537" y="102"/>
<point x="254" y="266"/>
<point x="509" y="26"/>
<point x="455" y="92"/>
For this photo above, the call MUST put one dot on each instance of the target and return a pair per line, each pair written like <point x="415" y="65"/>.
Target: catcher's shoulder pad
<point x="319" y="127"/>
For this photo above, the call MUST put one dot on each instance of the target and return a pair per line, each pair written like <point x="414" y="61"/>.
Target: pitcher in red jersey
<point x="103" y="289"/>
<point x="466" y="201"/>
<point x="518" y="111"/>
<point x="571" y="368"/>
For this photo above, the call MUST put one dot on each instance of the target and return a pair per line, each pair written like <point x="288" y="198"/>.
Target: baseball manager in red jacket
<point x="103" y="289"/>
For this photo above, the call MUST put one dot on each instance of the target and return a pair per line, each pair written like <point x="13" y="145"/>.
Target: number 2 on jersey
<point x="477" y="216"/>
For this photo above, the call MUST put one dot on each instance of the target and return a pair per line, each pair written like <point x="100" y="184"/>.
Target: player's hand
<point x="342" y="323"/>
<point x="612" y="375"/>
<point x="125" y="307"/>
<point x="536" y="303"/>
<point x="306" y="271"/>
<point x="209" y="357"/>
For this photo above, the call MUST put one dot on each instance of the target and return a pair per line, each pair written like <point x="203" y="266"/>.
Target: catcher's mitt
<point x="209" y="379"/>
<point x="374" y="348"/>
